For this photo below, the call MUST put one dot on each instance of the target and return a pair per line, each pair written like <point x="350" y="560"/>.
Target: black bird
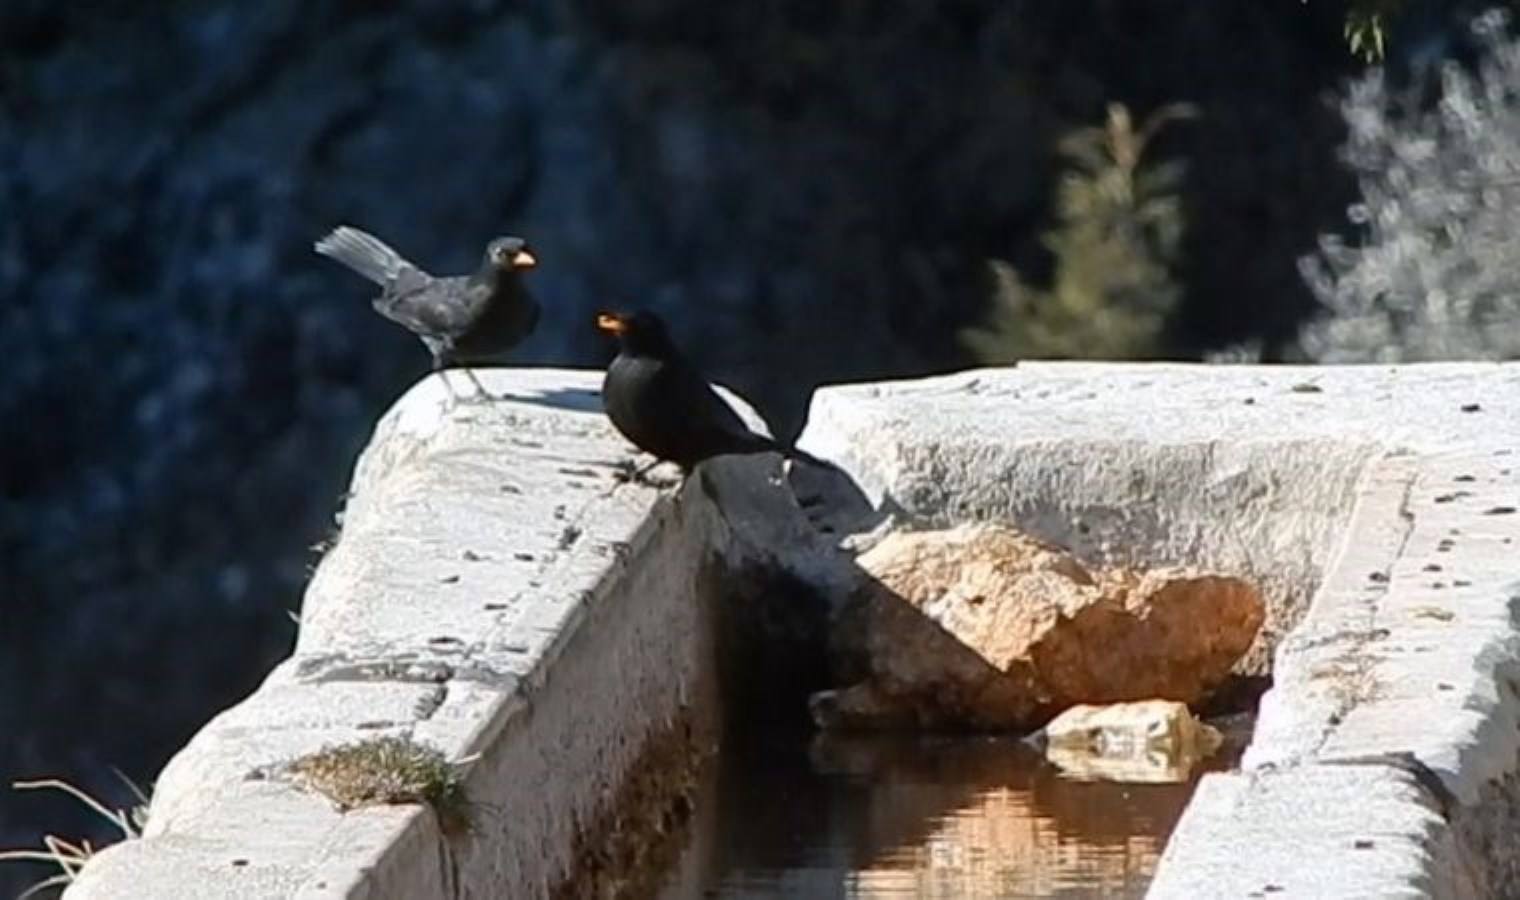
<point x="462" y="319"/>
<point x="660" y="403"/>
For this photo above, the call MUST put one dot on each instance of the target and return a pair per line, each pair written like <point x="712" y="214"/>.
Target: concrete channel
<point x="499" y="594"/>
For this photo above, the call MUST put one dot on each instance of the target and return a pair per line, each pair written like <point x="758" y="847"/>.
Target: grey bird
<point x="462" y="319"/>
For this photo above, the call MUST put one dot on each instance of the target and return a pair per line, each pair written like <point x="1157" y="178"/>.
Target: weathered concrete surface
<point x="1352" y="831"/>
<point x="497" y="594"/>
<point x="1386" y="494"/>
<point x="494" y="594"/>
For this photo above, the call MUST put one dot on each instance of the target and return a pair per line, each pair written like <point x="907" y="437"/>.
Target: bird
<point x="659" y="401"/>
<point x="461" y="319"/>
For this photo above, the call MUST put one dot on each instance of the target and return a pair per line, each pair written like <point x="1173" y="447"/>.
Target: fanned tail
<point x="364" y="253"/>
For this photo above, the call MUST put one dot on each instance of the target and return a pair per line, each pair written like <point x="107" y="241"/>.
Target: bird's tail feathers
<point x="364" y="253"/>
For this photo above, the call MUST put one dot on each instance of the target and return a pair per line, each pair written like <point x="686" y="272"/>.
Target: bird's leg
<point x="483" y="393"/>
<point x="454" y="397"/>
<point x="440" y="368"/>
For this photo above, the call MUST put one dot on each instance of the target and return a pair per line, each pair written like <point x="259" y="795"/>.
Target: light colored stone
<point x="1378" y="491"/>
<point x="1313" y="832"/>
<point x="1393" y="720"/>
<point x="986" y="627"/>
<point x="1149" y="741"/>
<point x="496" y="593"/>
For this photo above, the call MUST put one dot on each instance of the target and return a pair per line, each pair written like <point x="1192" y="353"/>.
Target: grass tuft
<point x="387" y="771"/>
<point x="70" y="856"/>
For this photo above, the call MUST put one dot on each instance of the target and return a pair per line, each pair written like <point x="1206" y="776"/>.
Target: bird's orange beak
<point x="524" y="260"/>
<point x="612" y="323"/>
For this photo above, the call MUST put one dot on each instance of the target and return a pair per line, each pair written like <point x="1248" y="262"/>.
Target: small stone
<point x="1151" y="741"/>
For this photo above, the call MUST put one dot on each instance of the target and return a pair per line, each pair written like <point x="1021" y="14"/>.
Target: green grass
<point x="386" y="771"/>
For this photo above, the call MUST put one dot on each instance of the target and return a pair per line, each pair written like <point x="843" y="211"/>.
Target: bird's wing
<point x="708" y="407"/>
<point x="368" y="255"/>
<point x="442" y="307"/>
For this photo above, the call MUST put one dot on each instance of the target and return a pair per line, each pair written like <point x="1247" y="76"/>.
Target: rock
<point x="983" y="626"/>
<point x="1150" y="741"/>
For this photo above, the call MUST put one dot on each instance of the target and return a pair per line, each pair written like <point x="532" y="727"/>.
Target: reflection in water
<point x="789" y="815"/>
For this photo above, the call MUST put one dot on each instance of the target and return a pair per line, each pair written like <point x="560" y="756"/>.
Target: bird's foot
<point x="475" y="397"/>
<point x="479" y="394"/>
<point x="628" y="471"/>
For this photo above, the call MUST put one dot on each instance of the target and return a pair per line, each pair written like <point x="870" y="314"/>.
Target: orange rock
<point x="983" y="626"/>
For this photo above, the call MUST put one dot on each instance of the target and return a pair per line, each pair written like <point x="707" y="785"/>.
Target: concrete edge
<point x="1401" y="670"/>
<point x="1405" y="671"/>
<point x="529" y="593"/>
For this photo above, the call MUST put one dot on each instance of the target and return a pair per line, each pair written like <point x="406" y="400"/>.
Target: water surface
<point x="789" y="814"/>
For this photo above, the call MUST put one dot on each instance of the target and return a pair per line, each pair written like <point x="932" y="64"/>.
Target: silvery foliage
<point x="1437" y="274"/>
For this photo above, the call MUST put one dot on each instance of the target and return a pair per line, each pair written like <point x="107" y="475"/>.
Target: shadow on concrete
<point x="571" y="399"/>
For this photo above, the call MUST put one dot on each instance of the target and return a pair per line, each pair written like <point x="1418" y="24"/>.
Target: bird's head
<point x="638" y="332"/>
<point x="509" y="254"/>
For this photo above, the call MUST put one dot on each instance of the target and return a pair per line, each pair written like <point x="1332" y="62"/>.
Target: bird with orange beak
<point x="659" y="401"/>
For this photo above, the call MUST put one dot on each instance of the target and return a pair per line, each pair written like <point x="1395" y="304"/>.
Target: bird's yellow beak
<point x="523" y="260"/>
<point x="611" y="323"/>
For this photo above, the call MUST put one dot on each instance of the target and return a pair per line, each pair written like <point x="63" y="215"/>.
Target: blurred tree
<point x="1120" y="224"/>
<point x="1432" y="273"/>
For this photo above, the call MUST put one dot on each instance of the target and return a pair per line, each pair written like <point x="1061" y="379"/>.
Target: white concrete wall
<point x="496" y="594"/>
<point x="1385" y="760"/>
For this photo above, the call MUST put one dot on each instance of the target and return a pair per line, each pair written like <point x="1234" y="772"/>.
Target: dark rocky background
<point x="814" y="188"/>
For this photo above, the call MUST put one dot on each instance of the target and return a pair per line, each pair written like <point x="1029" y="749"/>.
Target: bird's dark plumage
<point x="462" y="319"/>
<point x="660" y="403"/>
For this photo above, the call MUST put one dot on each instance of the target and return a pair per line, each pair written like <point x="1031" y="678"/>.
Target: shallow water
<point x="798" y="816"/>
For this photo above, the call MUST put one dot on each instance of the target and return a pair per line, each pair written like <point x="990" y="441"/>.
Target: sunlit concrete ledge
<point x="496" y="595"/>
<point x="1376" y="505"/>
